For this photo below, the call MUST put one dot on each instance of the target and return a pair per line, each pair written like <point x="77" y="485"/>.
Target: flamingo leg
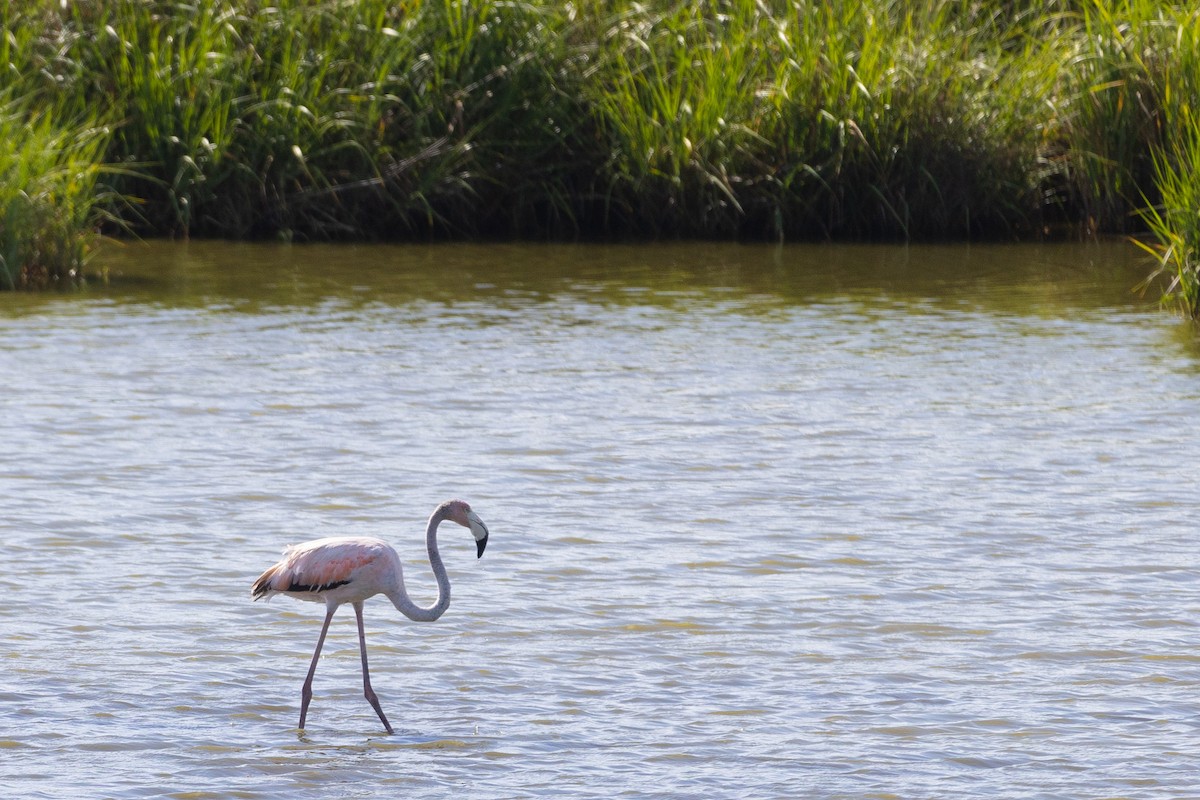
<point x="306" y="692"/>
<point x="367" y="690"/>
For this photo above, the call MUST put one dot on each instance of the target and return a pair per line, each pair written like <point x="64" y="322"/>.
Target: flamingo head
<point x="458" y="511"/>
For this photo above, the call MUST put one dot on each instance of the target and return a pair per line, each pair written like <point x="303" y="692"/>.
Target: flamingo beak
<point x="479" y="531"/>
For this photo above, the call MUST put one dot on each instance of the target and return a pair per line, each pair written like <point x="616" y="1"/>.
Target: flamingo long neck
<point x="400" y="598"/>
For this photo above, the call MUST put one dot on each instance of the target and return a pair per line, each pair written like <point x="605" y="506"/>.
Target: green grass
<point x="762" y="119"/>
<point x="48" y="196"/>
<point x="906" y="125"/>
<point x="1174" y="220"/>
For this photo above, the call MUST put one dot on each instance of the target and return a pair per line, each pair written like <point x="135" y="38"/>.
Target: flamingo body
<point x="345" y="569"/>
<point x="337" y="569"/>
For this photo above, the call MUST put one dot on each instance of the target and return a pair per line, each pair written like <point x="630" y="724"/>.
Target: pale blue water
<point x="822" y="522"/>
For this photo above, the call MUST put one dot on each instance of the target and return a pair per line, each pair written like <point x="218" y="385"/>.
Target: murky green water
<point x="811" y="521"/>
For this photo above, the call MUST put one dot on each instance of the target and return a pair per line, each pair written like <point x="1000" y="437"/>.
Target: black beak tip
<point x="480" y="544"/>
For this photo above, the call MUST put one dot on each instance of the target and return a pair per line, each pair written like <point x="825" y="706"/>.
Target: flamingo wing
<point x="318" y="566"/>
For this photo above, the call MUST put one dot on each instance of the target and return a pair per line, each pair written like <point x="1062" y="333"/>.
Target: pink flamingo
<point x="349" y="570"/>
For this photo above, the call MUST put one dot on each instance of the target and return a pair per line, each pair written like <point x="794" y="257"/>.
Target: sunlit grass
<point x="816" y="119"/>
<point x="1174" y="216"/>
<point x="328" y="119"/>
<point x="48" y="197"/>
<point x="675" y="97"/>
<point x="777" y="119"/>
<point x="906" y="124"/>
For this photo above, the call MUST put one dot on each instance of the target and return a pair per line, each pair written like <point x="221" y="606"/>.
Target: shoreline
<point x="328" y="121"/>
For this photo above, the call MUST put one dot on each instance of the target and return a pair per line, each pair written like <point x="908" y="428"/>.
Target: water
<point x="812" y="521"/>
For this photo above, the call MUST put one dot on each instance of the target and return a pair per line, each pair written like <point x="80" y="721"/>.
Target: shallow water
<point x="766" y="522"/>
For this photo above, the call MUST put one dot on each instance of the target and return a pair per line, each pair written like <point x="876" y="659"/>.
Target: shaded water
<point x="810" y="521"/>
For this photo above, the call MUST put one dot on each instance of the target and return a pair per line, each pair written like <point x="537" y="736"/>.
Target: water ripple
<point x="750" y="539"/>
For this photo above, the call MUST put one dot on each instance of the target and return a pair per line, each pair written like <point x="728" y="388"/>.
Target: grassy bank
<point x="336" y="119"/>
<point x="49" y="201"/>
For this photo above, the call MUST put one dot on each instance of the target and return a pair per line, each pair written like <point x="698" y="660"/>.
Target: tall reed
<point x="1174" y="219"/>
<point x="805" y="118"/>
<point x="1110" y="108"/>
<point x="675" y="96"/>
<point x="717" y="118"/>
<point x="49" y="203"/>
<point x="330" y="118"/>
<point x="911" y="122"/>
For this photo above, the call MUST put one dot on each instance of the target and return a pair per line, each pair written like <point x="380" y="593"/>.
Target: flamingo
<point x="349" y="569"/>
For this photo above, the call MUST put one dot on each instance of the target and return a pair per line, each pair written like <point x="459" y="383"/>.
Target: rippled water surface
<point x="766" y="522"/>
